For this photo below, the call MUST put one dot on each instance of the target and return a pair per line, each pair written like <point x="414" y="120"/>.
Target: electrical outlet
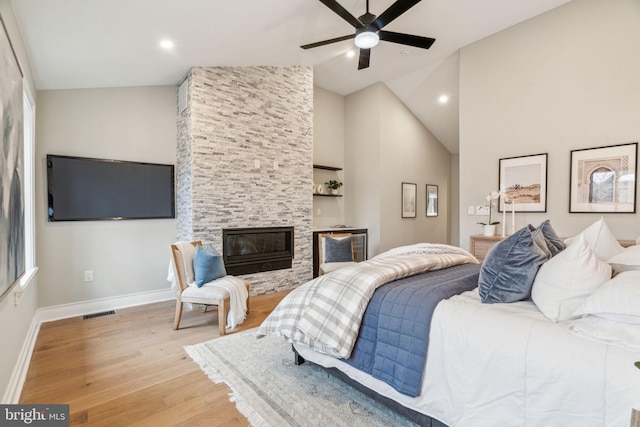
<point x="471" y="210"/>
<point x="88" y="275"/>
<point x="482" y="210"/>
<point x="256" y="164"/>
<point x="275" y="165"/>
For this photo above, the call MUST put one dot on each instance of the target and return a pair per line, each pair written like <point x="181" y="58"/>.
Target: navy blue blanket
<point x="394" y="335"/>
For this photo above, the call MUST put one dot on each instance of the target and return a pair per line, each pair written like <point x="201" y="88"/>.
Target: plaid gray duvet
<point x="325" y="313"/>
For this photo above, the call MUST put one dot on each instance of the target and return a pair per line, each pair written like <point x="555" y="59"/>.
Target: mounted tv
<point x="84" y="189"/>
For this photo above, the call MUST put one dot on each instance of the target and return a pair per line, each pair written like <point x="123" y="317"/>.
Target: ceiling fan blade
<point x="395" y="10"/>
<point x="406" y="39"/>
<point x="342" y="12"/>
<point x="363" y="61"/>
<point x="325" y="42"/>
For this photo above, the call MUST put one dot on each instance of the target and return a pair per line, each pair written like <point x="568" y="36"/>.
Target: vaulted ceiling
<point x="116" y="43"/>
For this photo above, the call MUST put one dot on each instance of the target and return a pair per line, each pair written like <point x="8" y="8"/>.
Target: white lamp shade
<point x="367" y="39"/>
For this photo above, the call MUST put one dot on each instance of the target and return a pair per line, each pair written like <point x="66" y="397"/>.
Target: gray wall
<point x="386" y="145"/>
<point x="328" y="150"/>
<point x="238" y="116"/>
<point x="126" y="257"/>
<point x="564" y="80"/>
<point x="15" y="319"/>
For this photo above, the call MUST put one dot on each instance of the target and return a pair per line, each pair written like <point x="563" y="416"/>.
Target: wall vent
<point x="104" y="313"/>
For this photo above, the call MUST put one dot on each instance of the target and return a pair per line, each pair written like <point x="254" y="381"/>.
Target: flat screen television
<point x="85" y="189"/>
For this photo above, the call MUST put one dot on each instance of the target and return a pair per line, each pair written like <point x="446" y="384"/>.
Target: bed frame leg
<point x="297" y="359"/>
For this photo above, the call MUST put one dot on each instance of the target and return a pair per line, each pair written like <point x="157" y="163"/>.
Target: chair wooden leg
<point x="247" y="285"/>
<point x="223" y="310"/>
<point x="176" y="322"/>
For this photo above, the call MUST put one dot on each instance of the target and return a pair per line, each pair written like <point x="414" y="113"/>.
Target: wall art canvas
<point x="524" y="179"/>
<point x="432" y="200"/>
<point x="603" y="179"/>
<point x="12" y="236"/>
<point x="409" y="195"/>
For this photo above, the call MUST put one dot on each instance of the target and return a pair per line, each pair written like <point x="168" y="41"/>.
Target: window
<point x="29" y="197"/>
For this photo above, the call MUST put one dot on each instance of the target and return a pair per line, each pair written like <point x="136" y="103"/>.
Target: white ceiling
<point x="115" y="43"/>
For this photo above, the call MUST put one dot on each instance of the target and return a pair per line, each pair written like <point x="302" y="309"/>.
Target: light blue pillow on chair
<point x="207" y="265"/>
<point x="508" y="271"/>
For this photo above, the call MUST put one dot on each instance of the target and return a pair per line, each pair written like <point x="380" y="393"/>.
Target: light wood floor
<point x="130" y="368"/>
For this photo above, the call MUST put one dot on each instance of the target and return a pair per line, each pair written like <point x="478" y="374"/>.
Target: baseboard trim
<point x="14" y="388"/>
<point x="64" y="311"/>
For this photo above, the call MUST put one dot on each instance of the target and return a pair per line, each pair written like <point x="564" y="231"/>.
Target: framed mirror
<point x="432" y="200"/>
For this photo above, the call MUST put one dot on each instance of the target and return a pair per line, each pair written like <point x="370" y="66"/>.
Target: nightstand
<point x="480" y="244"/>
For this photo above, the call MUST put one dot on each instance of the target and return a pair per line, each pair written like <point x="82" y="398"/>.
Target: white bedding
<point x="507" y="365"/>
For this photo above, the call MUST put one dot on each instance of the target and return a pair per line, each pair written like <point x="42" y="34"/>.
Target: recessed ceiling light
<point x="443" y="99"/>
<point x="405" y="52"/>
<point x="350" y="54"/>
<point x="166" y="44"/>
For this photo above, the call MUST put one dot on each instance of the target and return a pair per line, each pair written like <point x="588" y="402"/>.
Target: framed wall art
<point x="524" y="180"/>
<point x="432" y="200"/>
<point x="603" y="179"/>
<point x="409" y="196"/>
<point x="12" y="225"/>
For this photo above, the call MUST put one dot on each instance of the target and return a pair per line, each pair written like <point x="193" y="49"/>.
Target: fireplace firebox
<point x="254" y="250"/>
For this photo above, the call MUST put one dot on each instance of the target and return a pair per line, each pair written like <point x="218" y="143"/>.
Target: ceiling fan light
<point x="367" y="39"/>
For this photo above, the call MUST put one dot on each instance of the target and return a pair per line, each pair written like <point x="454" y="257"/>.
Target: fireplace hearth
<point x="255" y="250"/>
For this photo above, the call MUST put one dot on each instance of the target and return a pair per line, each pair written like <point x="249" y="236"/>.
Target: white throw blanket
<point x="325" y="313"/>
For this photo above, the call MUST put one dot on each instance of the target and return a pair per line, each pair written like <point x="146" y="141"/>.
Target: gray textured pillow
<point x="337" y="250"/>
<point x="511" y="265"/>
<point x="554" y="244"/>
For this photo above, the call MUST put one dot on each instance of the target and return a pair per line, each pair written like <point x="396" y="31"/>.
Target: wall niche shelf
<point x="327" y="168"/>
<point x="327" y="195"/>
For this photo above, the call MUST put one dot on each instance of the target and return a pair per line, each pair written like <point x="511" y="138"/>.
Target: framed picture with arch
<point x="603" y="179"/>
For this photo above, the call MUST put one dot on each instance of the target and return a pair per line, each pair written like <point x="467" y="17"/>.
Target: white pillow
<point x="618" y="299"/>
<point x="628" y="259"/>
<point x="600" y="238"/>
<point x="565" y="280"/>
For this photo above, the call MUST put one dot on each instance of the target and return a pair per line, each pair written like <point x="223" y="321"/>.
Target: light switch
<point x="256" y="164"/>
<point x="471" y="210"/>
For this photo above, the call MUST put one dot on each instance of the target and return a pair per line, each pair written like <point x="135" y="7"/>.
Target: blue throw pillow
<point x="207" y="265"/>
<point x="554" y="243"/>
<point x="337" y="250"/>
<point x="511" y="265"/>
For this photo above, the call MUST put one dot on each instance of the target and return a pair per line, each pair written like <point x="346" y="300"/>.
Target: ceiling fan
<point x="369" y="29"/>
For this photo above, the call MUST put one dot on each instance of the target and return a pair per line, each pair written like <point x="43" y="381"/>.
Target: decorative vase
<point x="334" y="191"/>
<point x="490" y="230"/>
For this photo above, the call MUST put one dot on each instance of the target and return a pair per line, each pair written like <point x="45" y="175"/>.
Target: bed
<point x="505" y="364"/>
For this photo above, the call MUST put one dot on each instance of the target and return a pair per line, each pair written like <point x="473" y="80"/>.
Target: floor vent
<point x="104" y="313"/>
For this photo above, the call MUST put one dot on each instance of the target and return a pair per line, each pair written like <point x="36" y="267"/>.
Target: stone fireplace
<point x="245" y="160"/>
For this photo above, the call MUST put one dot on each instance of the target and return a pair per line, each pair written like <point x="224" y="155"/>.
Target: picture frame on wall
<point x="12" y="219"/>
<point x="409" y="197"/>
<point x="524" y="180"/>
<point x="603" y="179"/>
<point x="432" y="200"/>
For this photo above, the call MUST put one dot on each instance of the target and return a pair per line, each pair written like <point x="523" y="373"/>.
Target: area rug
<point x="270" y="390"/>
